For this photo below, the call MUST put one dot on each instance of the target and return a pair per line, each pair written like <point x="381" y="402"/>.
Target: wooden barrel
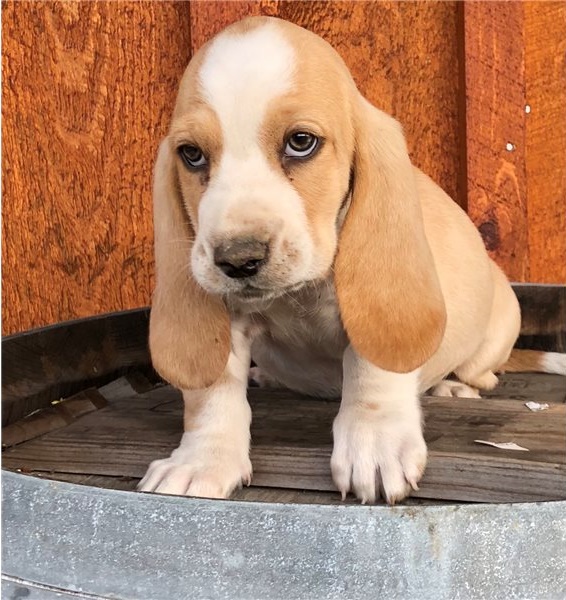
<point x="84" y="413"/>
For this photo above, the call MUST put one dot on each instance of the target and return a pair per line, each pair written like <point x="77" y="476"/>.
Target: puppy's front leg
<point x="213" y="456"/>
<point x="378" y="441"/>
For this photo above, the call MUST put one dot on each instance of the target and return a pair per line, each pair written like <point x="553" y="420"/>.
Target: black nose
<point x="241" y="257"/>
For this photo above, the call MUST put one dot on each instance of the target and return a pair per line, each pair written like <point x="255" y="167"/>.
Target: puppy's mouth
<point x="252" y="293"/>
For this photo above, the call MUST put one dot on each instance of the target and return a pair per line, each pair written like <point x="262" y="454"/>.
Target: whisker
<point x="180" y="241"/>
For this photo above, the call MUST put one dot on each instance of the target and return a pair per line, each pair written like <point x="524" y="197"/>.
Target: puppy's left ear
<point x="387" y="286"/>
<point x="189" y="330"/>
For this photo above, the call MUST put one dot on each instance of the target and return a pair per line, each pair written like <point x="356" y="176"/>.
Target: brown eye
<point x="301" y="144"/>
<point x="192" y="156"/>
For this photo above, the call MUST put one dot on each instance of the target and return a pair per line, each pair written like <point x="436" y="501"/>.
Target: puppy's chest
<point x="309" y="319"/>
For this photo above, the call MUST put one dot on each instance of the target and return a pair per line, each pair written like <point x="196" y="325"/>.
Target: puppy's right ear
<point x="189" y="330"/>
<point x="390" y="298"/>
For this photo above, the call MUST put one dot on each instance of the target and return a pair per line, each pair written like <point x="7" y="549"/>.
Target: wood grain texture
<point x="88" y="89"/>
<point x="545" y="78"/>
<point x="292" y="442"/>
<point x="403" y="56"/>
<point x="54" y="417"/>
<point x="87" y="92"/>
<point x="55" y="362"/>
<point x="495" y="131"/>
<point x="543" y="317"/>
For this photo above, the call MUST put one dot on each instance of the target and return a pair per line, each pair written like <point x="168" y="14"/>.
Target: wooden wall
<point x="88" y="88"/>
<point x="515" y="72"/>
<point x="87" y="91"/>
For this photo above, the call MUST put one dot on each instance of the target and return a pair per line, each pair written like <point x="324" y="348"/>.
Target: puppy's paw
<point x="199" y="469"/>
<point x="377" y="454"/>
<point x="454" y="389"/>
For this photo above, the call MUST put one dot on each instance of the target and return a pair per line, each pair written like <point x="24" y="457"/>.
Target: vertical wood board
<point x="87" y="92"/>
<point x="495" y="131"/>
<point x="545" y="70"/>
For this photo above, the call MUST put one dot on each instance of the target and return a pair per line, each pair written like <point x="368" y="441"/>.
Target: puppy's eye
<point x="301" y="144"/>
<point x="192" y="156"/>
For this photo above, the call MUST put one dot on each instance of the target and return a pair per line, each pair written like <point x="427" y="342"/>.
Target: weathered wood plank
<point x="291" y="444"/>
<point x="57" y="361"/>
<point x="545" y="80"/>
<point x="495" y="131"/>
<point x="543" y="317"/>
<point x="539" y="387"/>
<point x="56" y="416"/>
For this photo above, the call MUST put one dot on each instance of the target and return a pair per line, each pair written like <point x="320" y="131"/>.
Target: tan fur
<point x="483" y="316"/>
<point x="524" y="361"/>
<point x="189" y="330"/>
<point x="388" y="290"/>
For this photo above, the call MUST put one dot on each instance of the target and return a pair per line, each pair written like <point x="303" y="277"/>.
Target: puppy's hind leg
<point x="476" y="377"/>
<point x="502" y="332"/>
<point x="454" y="389"/>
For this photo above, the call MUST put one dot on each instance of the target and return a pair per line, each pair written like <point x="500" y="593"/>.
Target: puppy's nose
<point x="241" y="257"/>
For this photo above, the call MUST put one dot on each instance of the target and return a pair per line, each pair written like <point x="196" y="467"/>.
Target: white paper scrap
<point x="503" y="445"/>
<point x="536" y="406"/>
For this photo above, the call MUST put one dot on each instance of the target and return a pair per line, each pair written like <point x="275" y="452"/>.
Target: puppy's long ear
<point x="189" y="330"/>
<point x="388" y="290"/>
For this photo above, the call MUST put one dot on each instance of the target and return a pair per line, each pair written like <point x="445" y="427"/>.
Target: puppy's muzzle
<point x="239" y="258"/>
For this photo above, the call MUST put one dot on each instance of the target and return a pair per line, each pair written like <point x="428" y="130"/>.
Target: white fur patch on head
<point x="240" y="75"/>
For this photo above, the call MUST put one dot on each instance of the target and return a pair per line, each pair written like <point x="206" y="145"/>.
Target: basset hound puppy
<point x="292" y="229"/>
